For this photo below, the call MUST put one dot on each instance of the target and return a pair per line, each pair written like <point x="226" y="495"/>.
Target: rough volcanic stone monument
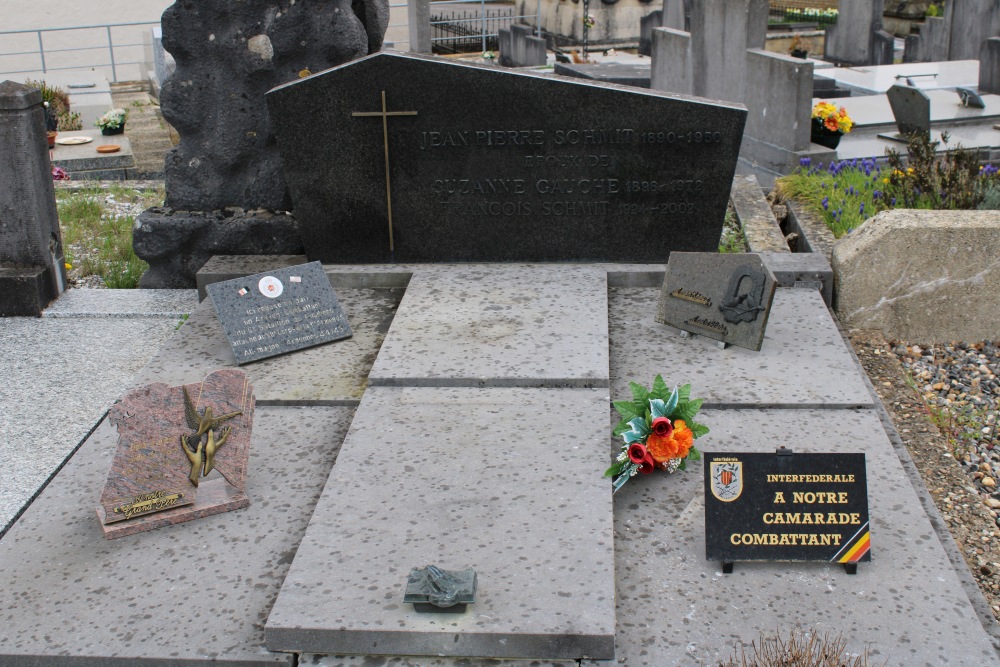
<point x="224" y="180"/>
<point x="394" y="158"/>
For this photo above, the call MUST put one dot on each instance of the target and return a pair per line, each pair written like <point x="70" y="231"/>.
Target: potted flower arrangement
<point x="112" y="122"/>
<point x="829" y="124"/>
<point x="799" y="48"/>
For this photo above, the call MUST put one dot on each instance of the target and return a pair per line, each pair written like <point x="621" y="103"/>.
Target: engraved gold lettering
<point x="691" y="295"/>
<point x="710" y="325"/>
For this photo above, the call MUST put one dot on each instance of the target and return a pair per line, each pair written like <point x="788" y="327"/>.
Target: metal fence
<point x="467" y="30"/>
<point x="107" y="46"/>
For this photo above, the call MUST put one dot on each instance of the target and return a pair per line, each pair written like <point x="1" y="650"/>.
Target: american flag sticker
<point x="295" y="279"/>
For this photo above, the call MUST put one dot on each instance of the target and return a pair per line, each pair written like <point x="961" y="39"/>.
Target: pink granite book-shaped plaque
<point x="182" y="453"/>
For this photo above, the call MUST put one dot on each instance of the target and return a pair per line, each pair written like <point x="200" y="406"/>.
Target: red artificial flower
<point x="647" y="465"/>
<point x="662" y="427"/>
<point x="637" y="453"/>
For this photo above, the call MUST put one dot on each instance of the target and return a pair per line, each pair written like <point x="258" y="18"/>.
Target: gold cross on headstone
<point x="385" y="140"/>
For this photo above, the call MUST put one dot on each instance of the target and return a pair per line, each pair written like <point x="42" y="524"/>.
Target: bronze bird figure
<point x="205" y="421"/>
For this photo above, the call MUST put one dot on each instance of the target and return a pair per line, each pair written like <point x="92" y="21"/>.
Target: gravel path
<point x="958" y="466"/>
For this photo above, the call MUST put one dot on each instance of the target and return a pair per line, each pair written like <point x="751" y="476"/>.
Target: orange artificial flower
<point x="676" y="446"/>
<point x="831" y="124"/>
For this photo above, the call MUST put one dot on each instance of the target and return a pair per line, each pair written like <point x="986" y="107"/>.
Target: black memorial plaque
<point x="279" y="311"/>
<point x="409" y="158"/>
<point x="722" y="296"/>
<point x="786" y="507"/>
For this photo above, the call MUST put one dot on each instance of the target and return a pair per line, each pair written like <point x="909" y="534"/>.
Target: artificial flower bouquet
<point x="658" y="428"/>
<point x="112" y="120"/>
<point x="831" y="119"/>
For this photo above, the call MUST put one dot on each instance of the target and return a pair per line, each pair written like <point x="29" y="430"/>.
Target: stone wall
<point x="616" y="22"/>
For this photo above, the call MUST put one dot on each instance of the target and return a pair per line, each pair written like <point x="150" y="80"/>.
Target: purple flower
<point x="893" y="201"/>
<point x="826" y="203"/>
<point x="861" y="211"/>
<point x="876" y="194"/>
<point x="805" y="162"/>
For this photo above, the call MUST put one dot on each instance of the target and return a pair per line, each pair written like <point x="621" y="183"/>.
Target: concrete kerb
<point x="969" y="585"/>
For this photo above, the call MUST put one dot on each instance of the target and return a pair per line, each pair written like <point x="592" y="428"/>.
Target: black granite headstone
<point x="726" y="297"/>
<point x="786" y="507"/>
<point x="399" y="157"/>
<point x="278" y="311"/>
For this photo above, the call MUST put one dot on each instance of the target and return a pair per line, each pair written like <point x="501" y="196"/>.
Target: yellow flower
<point x="68" y="266"/>
<point x="885" y="180"/>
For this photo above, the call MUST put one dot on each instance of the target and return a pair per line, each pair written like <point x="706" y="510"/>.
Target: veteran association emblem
<point x="727" y="480"/>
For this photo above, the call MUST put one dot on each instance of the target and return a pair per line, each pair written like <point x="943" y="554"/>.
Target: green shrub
<point x="991" y="198"/>
<point x="848" y="192"/>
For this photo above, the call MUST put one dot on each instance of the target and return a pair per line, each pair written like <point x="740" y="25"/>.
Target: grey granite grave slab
<point x="398" y="163"/>
<point x="875" y="80"/>
<point x="808" y="269"/>
<point x="458" y="478"/>
<point x="387" y="276"/>
<point x="84" y="162"/>
<point x="725" y="296"/>
<point x="332" y="374"/>
<point x="123" y="303"/>
<point x="625" y="74"/>
<point x="802" y="363"/>
<point x="907" y="606"/>
<point x="279" y="311"/>
<point x="60" y="376"/>
<point x="483" y="326"/>
<point x="313" y="660"/>
<point x="194" y="594"/>
<point x="868" y="110"/>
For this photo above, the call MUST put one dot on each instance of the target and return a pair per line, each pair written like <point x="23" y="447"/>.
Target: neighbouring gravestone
<point x="278" y="311"/>
<point x="989" y="66"/>
<point x="851" y="41"/>
<point x="646" y="25"/>
<point x="721" y="33"/>
<point x="409" y="158"/>
<point x="224" y="179"/>
<point x="170" y="441"/>
<point x="520" y="48"/>
<point x="786" y="507"/>
<point x="32" y="268"/>
<point x="676" y="14"/>
<point x="912" y="110"/>
<point x="726" y="297"/>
